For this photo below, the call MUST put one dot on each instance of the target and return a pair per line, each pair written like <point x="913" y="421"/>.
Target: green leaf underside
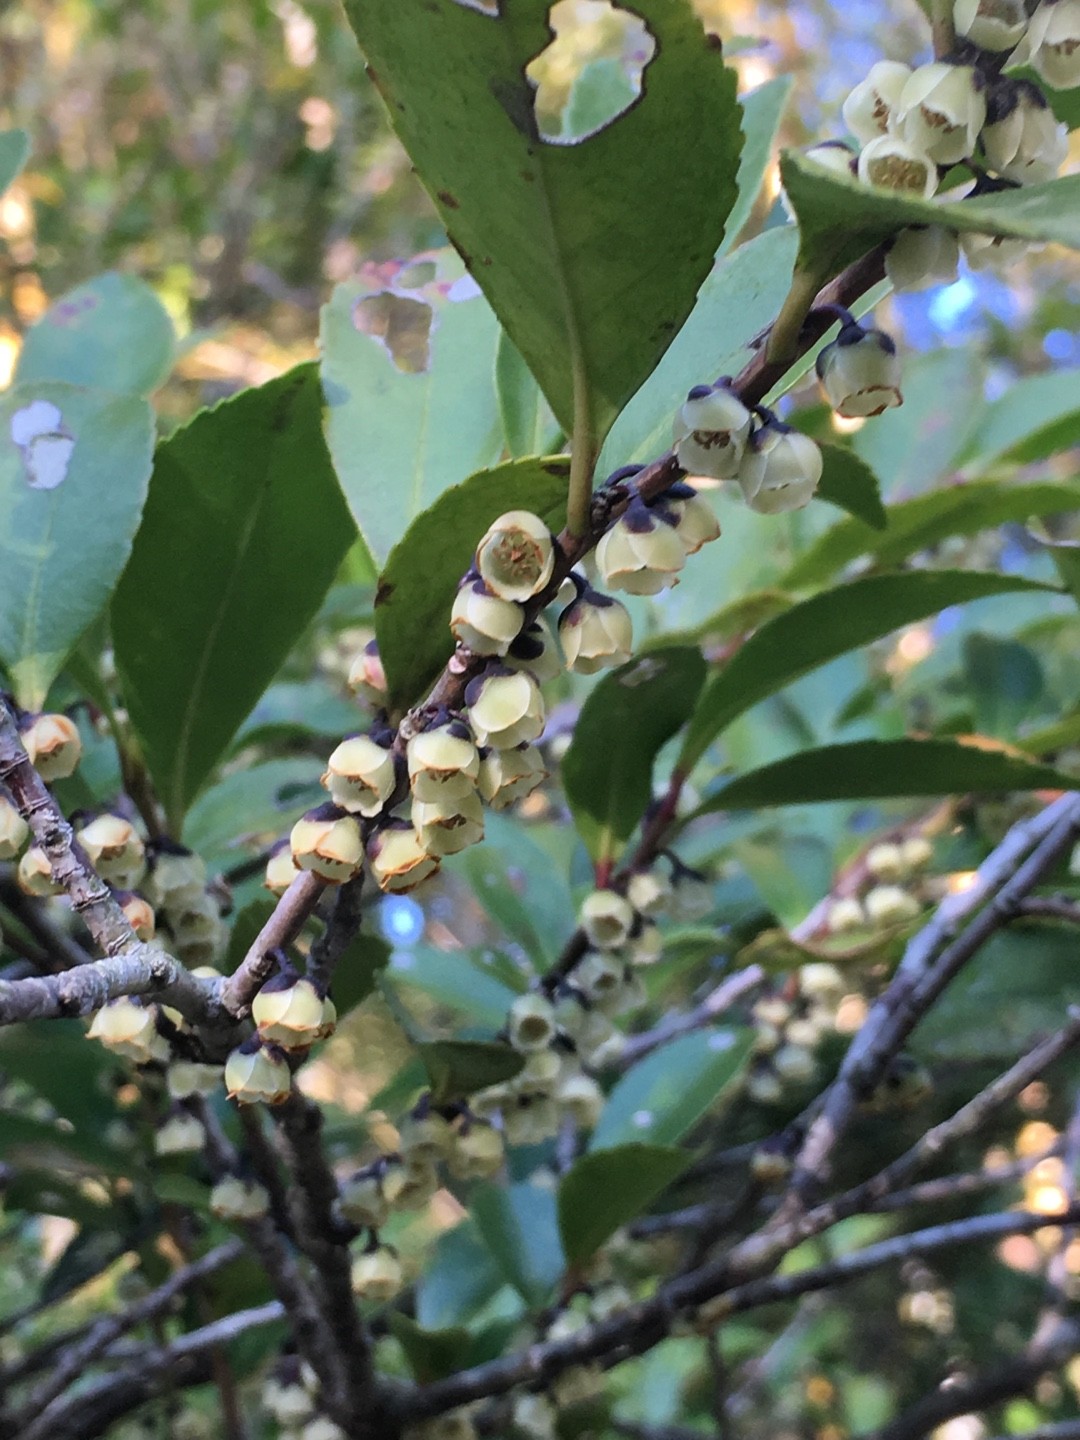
<point x="762" y="111"/>
<point x="243" y="533"/>
<point x="529" y="428"/>
<point x="261" y="801"/>
<point x="1035" y="417"/>
<point x="667" y="1093"/>
<point x="112" y="332"/>
<point x="926" y="520"/>
<point x="883" y="769"/>
<point x="840" y="219"/>
<point x="565" y="240"/>
<point x="399" y="437"/>
<point x="607" y="1188"/>
<point x="851" y="485"/>
<point x="62" y="549"/>
<point x="631" y="713"/>
<point x="417" y="587"/>
<point x="823" y="627"/>
<point x="458" y="1068"/>
<point x="520" y="1227"/>
<point x="14" y="152"/>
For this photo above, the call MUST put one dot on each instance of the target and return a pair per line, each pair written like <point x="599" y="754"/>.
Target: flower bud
<point x="177" y="878"/>
<point x="281" y="869"/>
<point x="14" y="831"/>
<point x="478" y="1153"/>
<point x="531" y="1023"/>
<point x="446" y="827"/>
<point x="991" y="24"/>
<point x="860" y="373"/>
<point x="710" y="432"/>
<point x="530" y="1120"/>
<point x="890" y="905"/>
<point x="361" y="775"/>
<point x="114" y="848"/>
<point x="845" y="915"/>
<point x="398" y="859"/>
<point x="362" y="1202"/>
<point x="482" y="621"/>
<point x="834" y="155"/>
<point x="185" y="1078"/>
<point x="128" y="1028"/>
<point x="535" y="650"/>
<point x="808" y="1029"/>
<point x="533" y="1417"/>
<point x="695" y="523"/>
<point x="181" y="1134"/>
<point x="1022" y="139"/>
<point x="941" y="110"/>
<point x="885" y="861"/>
<point x="516" y="556"/>
<point x="595" y="632"/>
<point x="410" y="1186"/>
<point x="322" y="1428"/>
<point x="641" y="553"/>
<point x="780" y="470"/>
<point x="236" y="1199"/>
<point x="917" y="852"/>
<point x="601" y="978"/>
<point x="581" y="1098"/>
<point x="53" y="744"/>
<point x="505" y="708"/>
<point x="509" y="775"/>
<point x="1054" y="37"/>
<point x="923" y="256"/>
<point x="327" y="842"/>
<point x="821" y="981"/>
<point x="140" y="916"/>
<point x="256" y="1073"/>
<point x="34" y="874"/>
<point x="607" y="919"/>
<point x="288" y="1011"/>
<point x="649" y="892"/>
<point x="367" y="678"/>
<point x="769" y="1165"/>
<point x="892" y="164"/>
<point x="443" y="763"/>
<point x="869" y="108"/>
<point x="377" y="1275"/>
<point x="425" y="1139"/>
<point x="287" y="1400"/>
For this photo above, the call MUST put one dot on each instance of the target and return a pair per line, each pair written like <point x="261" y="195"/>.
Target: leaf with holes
<point x="882" y="769"/>
<point x="566" y="239"/>
<point x="112" y="332"/>
<point x="417" y="587"/>
<point x="827" y="625"/>
<point x="608" y="1188"/>
<point x="243" y="533"/>
<point x="405" y="357"/>
<point x="74" y="470"/>
<point x="632" y="712"/>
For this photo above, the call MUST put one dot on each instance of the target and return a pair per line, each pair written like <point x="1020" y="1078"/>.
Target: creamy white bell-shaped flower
<point x="994" y="252"/>
<point x="860" y="373"/>
<point x="1022" y="139"/>
<point x="510" y="775"/>
<point x="710" y="432"/>
<point x="991" y="24"/>
<point x="535" y="650"/>
<point x="596" y="632"/>
<point x="361" y="775"/>
<point x="14" y="831"/>
<point x="516" y="556"/>
<point x="869" y="108"/>
<point x="891" y="163"/>
<point x="398" y="859"/>
<point x="923" y="256"/>
<point x="446" y="827"/>
<point x="531" y="1023"/>
<point x="607" y="919"/>
<point x="505" y="708"/>
<point x="641" y="554"/>
<point x="941" y="110"/>
<point x="1054" y="40"/>
<point x="257" y="1074"/>
<point x="484" y="622"/>
<point x="327" y="842"/>
<point x="695" y="522"/>
<point x="780" y="470"/>
<point x="443" y="762"/>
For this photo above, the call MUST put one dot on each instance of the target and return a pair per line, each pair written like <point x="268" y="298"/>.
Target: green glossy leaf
<point x="112" y="333"/>
<point x="357" y="973"/>
<point x="74" y="470"/>
<point x="1005" y="680"/>
<point x="14" y="152"/>
<point x="87" y="1255"/>
<point x="631" y="713"/>
<point x="880" y="769"/>
<point x="516" y="885"/>
<point x="261" y="802"/>
<point x="458" y="978"/>
<point x="245" y="929"/>
<point x="823" y="627"/>
<point x="667" y="1093"/>
<point x="1036" y="416"/>
<point x="417" y="587"/>
<point x="608" y="1188"/>
<point x="243" y="533"/>
<point x="851" y="485"/>
<point x="431" y="1354"/>
<point x="458" y="1068"/>
<point x="738" y="299"/>
<point x="925" y="521"/>
<point x="762" y="111"/>
<point x="519" y="1223"/>
<point x="296" y="710"/>
<point x="402" y="429"/>
<point x="563" y="237"/>
<point x="529" y="428"/>
<point x="840" y="219"/>
<point x="54" y="1058"/>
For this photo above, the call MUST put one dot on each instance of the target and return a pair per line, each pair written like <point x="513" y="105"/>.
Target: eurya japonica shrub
<point x="537" y="878"/>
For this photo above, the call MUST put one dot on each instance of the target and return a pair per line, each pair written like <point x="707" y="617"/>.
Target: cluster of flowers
<point x="789" y="1026"/>
<point x="913" y="126"/>
<point x="888" y="898"/>
<point x="290" y="1396"/>
<point x="54" y="746"/>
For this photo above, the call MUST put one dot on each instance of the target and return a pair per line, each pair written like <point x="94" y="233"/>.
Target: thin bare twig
<point x="715" y="1004"/>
